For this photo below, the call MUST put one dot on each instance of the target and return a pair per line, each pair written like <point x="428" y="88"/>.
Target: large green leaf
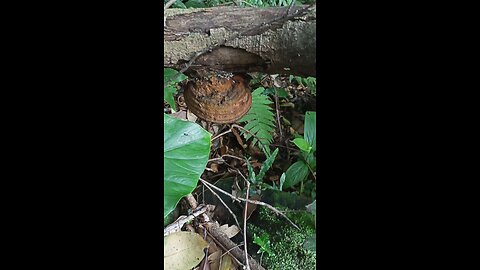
<point x="186" y="151"/>
<point x="295" y="174"/>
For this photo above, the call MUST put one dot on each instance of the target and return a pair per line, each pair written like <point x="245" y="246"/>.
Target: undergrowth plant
<point x="258" y="179"/>
<point x="171" y="89"/>
<point x="260" y="120"/>
<point x="298" y="171"/>
<point x="309" y="82"/>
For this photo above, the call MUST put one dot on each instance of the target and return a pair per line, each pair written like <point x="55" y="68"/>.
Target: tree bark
<point x="257" y="39"/>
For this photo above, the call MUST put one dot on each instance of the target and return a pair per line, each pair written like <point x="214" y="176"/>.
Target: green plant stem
<point x="308" y="166"/>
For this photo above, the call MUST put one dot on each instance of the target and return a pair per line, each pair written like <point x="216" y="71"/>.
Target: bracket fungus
<point x="219" y="98"/>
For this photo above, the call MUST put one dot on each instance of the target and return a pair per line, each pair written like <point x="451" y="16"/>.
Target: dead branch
<point x="235" y="251"/>
<point x="250" y="201"/>
<point x="177" y="225"/>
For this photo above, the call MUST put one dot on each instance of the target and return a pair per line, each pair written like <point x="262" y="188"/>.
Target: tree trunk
<point x="257" y="39"/>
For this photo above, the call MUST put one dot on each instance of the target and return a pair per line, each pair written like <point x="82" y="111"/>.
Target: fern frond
<point x="260" y="119"/>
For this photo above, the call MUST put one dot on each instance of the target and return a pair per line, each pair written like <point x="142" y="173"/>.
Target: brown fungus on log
<point x="219" y="98"/>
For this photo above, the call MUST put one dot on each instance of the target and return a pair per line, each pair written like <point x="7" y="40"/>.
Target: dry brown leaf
<point x="229" y="231"/>
<point x="223" y="150"/>
<point x="183" y="250"/>
<point x="227" y="263"/>
<point x="180" y="115"/>
<point x="191" y="117"/>
<point x="274" y="178"/>
<point x="212" y="247"/>
<point x="256" y="164"/>
<point x="214" y="260"/>
<point x="251" y="206"/>
<point x="214" y="167"/>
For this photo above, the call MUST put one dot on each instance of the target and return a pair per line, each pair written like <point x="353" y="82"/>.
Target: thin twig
<point x="251" y="133"/>
<point x="191" y="201"/>
<point x="231" y="249"/>
<point x="226" y="155"/>
<point x="241" y="174"/>
<point x="168" y="4"/>
<point x="245" y="227"/>
<point x="178" y="224"/>
<point x="224" y="204"/>
<point x="221" y="134"/>
<point x="278" y="116"/>
<point x="290" y="7"/>
<point x="305" y="161"/>
<point x="227" y="250"/>
<point x="283" y="146"/>
<point x="250" y="201"/>
<point x="244" y="129"/>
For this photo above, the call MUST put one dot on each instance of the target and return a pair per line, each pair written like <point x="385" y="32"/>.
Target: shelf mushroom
<point x="219" y="98"/>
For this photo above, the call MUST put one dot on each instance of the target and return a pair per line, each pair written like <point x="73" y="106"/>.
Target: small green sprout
<point x="264" y="242"/>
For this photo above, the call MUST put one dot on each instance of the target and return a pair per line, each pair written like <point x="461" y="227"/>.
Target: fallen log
<point x="269" y="40"/>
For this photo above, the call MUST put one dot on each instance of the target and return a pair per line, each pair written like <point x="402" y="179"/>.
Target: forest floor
<point x="227" y="169"/>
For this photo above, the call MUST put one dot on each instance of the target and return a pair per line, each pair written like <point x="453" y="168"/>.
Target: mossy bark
<point x="275" y="44"/>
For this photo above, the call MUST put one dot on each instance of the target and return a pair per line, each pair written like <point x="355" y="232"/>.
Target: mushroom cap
<point x="219" y="99"/>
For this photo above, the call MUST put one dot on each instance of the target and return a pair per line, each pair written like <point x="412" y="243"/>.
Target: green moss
<point x="285" y="240"/>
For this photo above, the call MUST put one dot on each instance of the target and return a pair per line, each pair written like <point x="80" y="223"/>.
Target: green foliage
<point x="177" y="4"/>
<point x="260" y="120"/>
<point x="264" y="242"/>
<point x="171" y="89"/>
<point x="309" y="188"/>
<point x="298" y="171"/>
<point x="310" y="243"/>
<point x="195" y="4"/>
<point x="286" y="242"/>
<point x="266" y="3"/>
<point x="282" y="180"/>
<point x="309" y="82"/>
<point x="310" y="129"/>
<point x="302" y="144"/>
<point x="265" y="167"/>
<point x="281" y="92"/>
<point x="186" y="151"/>
<point x="312" y="208"/>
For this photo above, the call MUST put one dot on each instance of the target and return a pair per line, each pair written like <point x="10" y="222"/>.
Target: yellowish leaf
<point x="183" y="250"/>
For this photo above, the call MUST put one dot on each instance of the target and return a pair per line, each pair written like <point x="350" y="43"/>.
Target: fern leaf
<point x="260" y="120"/>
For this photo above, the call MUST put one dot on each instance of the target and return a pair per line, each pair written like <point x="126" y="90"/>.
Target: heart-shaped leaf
<point x="186" y="151"/>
